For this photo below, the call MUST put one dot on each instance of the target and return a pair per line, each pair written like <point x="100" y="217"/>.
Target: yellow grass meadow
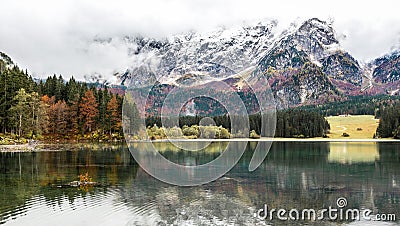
<point x="357" y="126"/>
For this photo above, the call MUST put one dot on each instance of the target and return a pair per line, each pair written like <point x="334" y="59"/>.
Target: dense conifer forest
<point x="389" y="125"/>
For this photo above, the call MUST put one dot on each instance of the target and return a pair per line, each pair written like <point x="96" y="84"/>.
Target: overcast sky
<point x="55" y="36"/>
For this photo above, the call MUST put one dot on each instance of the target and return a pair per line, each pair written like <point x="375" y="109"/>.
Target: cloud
<point x="57" y="36"/>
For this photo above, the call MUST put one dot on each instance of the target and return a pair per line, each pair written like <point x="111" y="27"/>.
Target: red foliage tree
<point x="88" y="110"/>
<point x="57" y="115"/>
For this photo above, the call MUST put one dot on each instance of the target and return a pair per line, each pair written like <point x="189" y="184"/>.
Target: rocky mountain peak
<point x="320" y="30"/>
<point x="387" y="68"/>
<point x="219" y="53"/>
<point x="314" y="41"/>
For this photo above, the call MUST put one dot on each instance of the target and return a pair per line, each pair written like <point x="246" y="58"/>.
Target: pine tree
<point x="73" y="111"/>
<point x="71" y="90"/>
<point x="131" y="116"/>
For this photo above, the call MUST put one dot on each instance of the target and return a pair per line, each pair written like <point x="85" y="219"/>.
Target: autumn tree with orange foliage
<point x="113" y="116"/>
<point x="88" y="111"/>
<point x="58" y="116"/>
<point x="51" y="113"/>
<point x="61" y="109"/>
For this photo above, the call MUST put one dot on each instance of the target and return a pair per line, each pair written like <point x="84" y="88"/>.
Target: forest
<point x="71" y="110"/>
<point x="355" y="105"/>
<point x="56" y="109"/>
<point x="291" y="123"/>
<point x="389" y="125"/>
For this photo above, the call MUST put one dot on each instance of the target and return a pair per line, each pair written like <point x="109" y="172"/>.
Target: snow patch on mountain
<point x="219" y="53"/>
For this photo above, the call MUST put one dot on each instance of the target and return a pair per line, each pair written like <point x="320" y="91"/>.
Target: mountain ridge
<point x="312" y="41"/>
<point x="304" y="64"/>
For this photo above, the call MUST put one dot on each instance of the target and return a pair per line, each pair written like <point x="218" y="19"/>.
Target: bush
<point x="6" y="141"/>
<point x="214" y="132"/>
<point x="224" y="133"/>
<point x="38" y="137"/>
<point x="192" y="131"/>
<point x="254" y="135"/>
<point x="301" y="136"/>
<point x="345" y="135"/>
<point x="156" y="133"/>
<point x="209" y="132"/>
<point x="174" y="132"/>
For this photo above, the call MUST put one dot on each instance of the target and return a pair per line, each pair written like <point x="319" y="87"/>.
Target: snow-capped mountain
<point x="312" y="41"/>
<point x="315" y="42"/>
<point x="220" y="53"/>
<point x="387" y="68"/>
<point x="304" y="64"/>
<point x="384" y="74"/>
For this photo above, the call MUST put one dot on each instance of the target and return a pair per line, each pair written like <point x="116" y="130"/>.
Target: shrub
<point x="224" y="133"/>
<point x="254" y="135"/>
<point x="345" y="135"/>
<point x="156" y="133"/>
<point x="38" y="137"/>
<point x="299" y="136"/>
<point x="174" y="132"/>
<point x="209" y="132"/>
<point x="192" y="131"/>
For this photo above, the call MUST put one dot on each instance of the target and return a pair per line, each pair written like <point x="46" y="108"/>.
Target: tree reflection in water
<point x="294" y="175"/>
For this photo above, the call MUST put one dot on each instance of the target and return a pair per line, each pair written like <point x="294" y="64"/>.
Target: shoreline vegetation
<point x="359" y="128"/>
<point x="67" y="146"/>
<point x="194" y="133"/>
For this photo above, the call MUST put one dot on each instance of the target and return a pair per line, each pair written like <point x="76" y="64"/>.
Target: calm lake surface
<point x="294" y="175"/>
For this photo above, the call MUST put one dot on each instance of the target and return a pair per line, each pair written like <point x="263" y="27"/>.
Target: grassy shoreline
<point x="54" y="146"/>
<point x="360" y="127"/>
<point x="279" y="139"/>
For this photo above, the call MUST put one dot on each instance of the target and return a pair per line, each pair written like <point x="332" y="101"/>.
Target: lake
<point x="295" y="175"/>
